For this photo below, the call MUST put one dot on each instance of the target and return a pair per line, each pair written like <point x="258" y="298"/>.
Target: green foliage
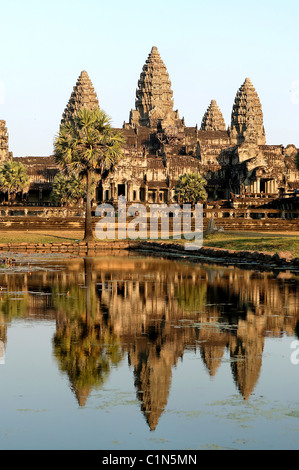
<point x="192" y="298"/>
<point x="297" y="160"/>
<point x="74" y="304"/>
<point x="190" y="188"/>
<point x="69" y="190"/>
<point x="84" y="346"/>
<point x="88" y="144"/>
<point x="13" y="305"/>
<point x="13" y="178"/>
<point x="87" y="147"/>
<point x="86" y="355"/>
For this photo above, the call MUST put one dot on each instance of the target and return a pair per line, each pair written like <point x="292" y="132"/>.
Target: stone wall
<point x="272" y="220"/>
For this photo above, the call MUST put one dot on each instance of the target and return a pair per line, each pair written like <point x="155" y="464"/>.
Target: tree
<point x="297" y="160"/>
<point x="190" y="188"/>
<point x="13" y="178"/>
<point x="88" y="147"/>
<point x="84" y="344"/>
<point x="68" y="190"/>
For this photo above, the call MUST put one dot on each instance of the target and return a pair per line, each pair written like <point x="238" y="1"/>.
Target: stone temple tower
<point x="154" y="101"/>
<point x="83" y="95"/>
<point x="4" y="151"/>
<point x="213" y="119"/>
<point x="247" y="117"/>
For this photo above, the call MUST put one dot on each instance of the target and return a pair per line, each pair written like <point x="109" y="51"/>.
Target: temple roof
<point x="247" y="116"/>
<point x="4" y="151"/>
<point x="154" y="86"/>
<point x="83" y="95"/>
<point x="154" y="102"/>
<point x="47" y="160"/>
<point x="213" y="119"/>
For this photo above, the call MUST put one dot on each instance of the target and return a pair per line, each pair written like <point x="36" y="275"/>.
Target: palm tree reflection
<point x="83" y="347"/>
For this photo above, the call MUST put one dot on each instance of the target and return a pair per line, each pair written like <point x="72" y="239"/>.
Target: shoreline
<point x="281" y="259"/>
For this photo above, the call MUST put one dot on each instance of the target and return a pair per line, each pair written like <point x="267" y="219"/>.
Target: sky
<point x="208" y="47"/>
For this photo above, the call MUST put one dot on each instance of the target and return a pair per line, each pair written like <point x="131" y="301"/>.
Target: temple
<point x="213" y="119"/>
<point x="154" y="101"/>
<point x="234" y="160"/>
<point x="247" y="117"/>
<point x="82" y="96"/>
<point x="4" y="151"/>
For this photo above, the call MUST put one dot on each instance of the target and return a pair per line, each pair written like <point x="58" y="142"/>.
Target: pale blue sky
<point x="209" y="48"/>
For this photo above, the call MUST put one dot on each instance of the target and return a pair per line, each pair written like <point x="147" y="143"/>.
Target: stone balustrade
<point x="13" y="218"/>
<point x="212" y="210"/>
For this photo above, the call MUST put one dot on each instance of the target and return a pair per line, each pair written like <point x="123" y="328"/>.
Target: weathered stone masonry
<point x="235" y="160"/>
<point x="4" y="151"/>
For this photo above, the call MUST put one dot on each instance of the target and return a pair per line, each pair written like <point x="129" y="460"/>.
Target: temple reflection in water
<point x="151" y="311"/>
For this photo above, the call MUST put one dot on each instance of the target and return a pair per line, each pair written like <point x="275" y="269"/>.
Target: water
<point x="133" y="352"/>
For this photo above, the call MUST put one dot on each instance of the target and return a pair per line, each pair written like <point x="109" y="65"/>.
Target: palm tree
<point x="86" y="147"/>
<point x="13" y="178"/>
<point x="190" y="188"/>
<point x="68" y="190"/>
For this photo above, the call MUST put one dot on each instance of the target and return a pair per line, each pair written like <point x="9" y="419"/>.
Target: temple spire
<point x="154" y="101"/>
<point x="83" y="95"/>
<point x="4" y="150"/>
<point x="247" y="117"/>
<point x="213" y="119"/>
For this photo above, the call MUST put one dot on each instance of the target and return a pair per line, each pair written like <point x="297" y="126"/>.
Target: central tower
<point x="154" y="101"/>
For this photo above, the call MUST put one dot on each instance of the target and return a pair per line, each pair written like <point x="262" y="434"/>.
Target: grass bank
<point x="271" y="243"/>
<point x="41" y="237"/>
<point x="253" y="241"/>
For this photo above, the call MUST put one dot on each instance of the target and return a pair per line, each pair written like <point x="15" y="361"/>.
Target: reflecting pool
<point x="134" y="352"/>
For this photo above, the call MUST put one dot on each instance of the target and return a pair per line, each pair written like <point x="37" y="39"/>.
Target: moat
<point x="135" y="352"/>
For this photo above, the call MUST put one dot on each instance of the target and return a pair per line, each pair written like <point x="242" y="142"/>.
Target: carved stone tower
<point x="83" y="95"/>
<point x="247" y="117"/>
<point x="4" y="151"/>
<point x="154" y="102"/>
<point x="213" y="119"/>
